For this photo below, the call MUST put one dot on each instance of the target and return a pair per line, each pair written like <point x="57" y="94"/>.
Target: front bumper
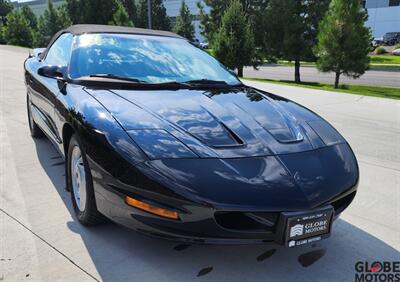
<point x="230" y="201"/>
<point x="204" y="225"/>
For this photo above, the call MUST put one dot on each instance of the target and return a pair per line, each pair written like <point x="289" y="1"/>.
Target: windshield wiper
<point x="113" y="76"/>
<point x="209" y="82"/>
<point x="205" y="81"/>
<point x="195" y="83"/>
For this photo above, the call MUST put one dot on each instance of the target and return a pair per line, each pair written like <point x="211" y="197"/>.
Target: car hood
<point x="223" y="123"/>
<point x="292" y="182"/>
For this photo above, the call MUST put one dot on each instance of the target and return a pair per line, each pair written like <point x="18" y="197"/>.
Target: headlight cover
<point x="326" y="132"/>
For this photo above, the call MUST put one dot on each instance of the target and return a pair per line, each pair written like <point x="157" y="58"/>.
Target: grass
<point x="377" y="62"/>
<point x="376" y="59"/>
<point x="376" y="91"/>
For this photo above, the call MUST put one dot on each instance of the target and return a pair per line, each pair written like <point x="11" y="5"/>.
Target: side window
<point x="60" y="52"/>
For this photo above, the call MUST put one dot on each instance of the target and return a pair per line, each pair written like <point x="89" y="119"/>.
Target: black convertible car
<point x="160" y="137"/>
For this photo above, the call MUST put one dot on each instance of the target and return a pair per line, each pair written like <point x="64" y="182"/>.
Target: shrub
<point x="380" y="50"/>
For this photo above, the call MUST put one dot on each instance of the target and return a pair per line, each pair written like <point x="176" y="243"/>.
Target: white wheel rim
<point x="78" y="177"/>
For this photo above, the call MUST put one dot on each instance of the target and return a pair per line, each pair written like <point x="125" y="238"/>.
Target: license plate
<point x="307" y="227"/>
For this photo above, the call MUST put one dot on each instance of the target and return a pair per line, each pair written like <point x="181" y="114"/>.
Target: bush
<point x="380" y="50"/>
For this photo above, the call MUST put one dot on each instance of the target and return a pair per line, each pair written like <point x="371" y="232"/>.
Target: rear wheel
<point x="36" y="132"/>
<point x="79" y="181"/>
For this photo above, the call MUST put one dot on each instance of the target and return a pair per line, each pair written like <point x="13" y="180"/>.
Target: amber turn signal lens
<point x="151" y="209"/>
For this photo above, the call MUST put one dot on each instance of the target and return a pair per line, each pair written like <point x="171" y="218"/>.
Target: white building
<point x="383" y="16"/>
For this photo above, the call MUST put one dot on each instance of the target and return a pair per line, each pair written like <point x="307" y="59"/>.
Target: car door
<point x="44" y="90"/>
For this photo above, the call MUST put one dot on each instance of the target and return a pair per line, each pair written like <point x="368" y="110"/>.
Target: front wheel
<point x="79" y="181"/>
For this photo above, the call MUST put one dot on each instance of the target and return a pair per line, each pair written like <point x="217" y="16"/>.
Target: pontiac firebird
<point x="160" y="137"/>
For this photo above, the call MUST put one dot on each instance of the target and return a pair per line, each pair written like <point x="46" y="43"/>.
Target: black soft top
<point x="93" y="28"/>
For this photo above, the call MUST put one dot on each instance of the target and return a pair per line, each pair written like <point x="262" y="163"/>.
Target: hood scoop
<point x="274" y="118"/>
<point x="204" y="126"/>
<point x="231" y="124"/>
<point x="222" y="137"/>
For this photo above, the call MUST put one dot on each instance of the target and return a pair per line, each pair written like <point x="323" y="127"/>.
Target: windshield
<point x="152" y="59"/>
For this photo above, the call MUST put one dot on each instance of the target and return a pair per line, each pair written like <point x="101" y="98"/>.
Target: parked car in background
<point x="204" y="45"/>
<point x="396" y="52"/>
<point x="196" y="43"/>
<point x="377" y="41"/>
<point x="391" y="38"/>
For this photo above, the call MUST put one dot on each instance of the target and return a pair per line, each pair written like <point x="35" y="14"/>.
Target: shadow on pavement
<point x="121" y="255"/>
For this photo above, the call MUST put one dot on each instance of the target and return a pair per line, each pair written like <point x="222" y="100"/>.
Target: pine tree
<point x="160" y="19"/>
<point x="5" y="8"/>
<point x="29" y="16"/>
<point x="234" y="43"/>
<point x="18" y="32"/>
<point x="130" y="7"/>
<point x="141" y="15"/>
<point x="183" y="25"/>
<point x="91" y="11"/>
<point x="121" y="17"/>
<point x="343" y="40"/>
<point x="211" y="21"/>
<point x="292" y="34"/>
<point x="2" y="30"/>
<point x="75" y="10"/>
<point x="52" y="21"/>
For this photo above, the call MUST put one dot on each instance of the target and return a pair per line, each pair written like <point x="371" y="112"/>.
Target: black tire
<point x="89" y="216"/>
<point x="36" y="132"/>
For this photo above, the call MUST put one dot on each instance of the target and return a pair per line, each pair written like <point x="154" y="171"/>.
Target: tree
<point x="5" y="8"/>
<point x="2" y="30"/>
<point x="75" y="11"/>
<point x="18" y="32"/>
<point x="29" y="16"/>
<point x="52" y="21"/>
<point x="211" y="21"/>
<point x="234" y="43"/>
<point x="130" y="7"/>
<point x="121" y="17"/>
<point x="343" y="40"/>
<point x="292" y="34"/>
<point x="159" y="17"/>
<point x="91" y="11"/>
<point x="183" y="25"/>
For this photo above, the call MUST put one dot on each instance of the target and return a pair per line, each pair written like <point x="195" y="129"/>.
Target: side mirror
<point x="37" y="52"/>
<point x="53" y="72"/>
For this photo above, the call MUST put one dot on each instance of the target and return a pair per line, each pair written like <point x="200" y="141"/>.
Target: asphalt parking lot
<point x="384" y="78"/>
<point x="40" y="239"/>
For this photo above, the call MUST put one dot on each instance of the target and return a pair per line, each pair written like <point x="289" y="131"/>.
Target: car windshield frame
<point x="168" y="55"/>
